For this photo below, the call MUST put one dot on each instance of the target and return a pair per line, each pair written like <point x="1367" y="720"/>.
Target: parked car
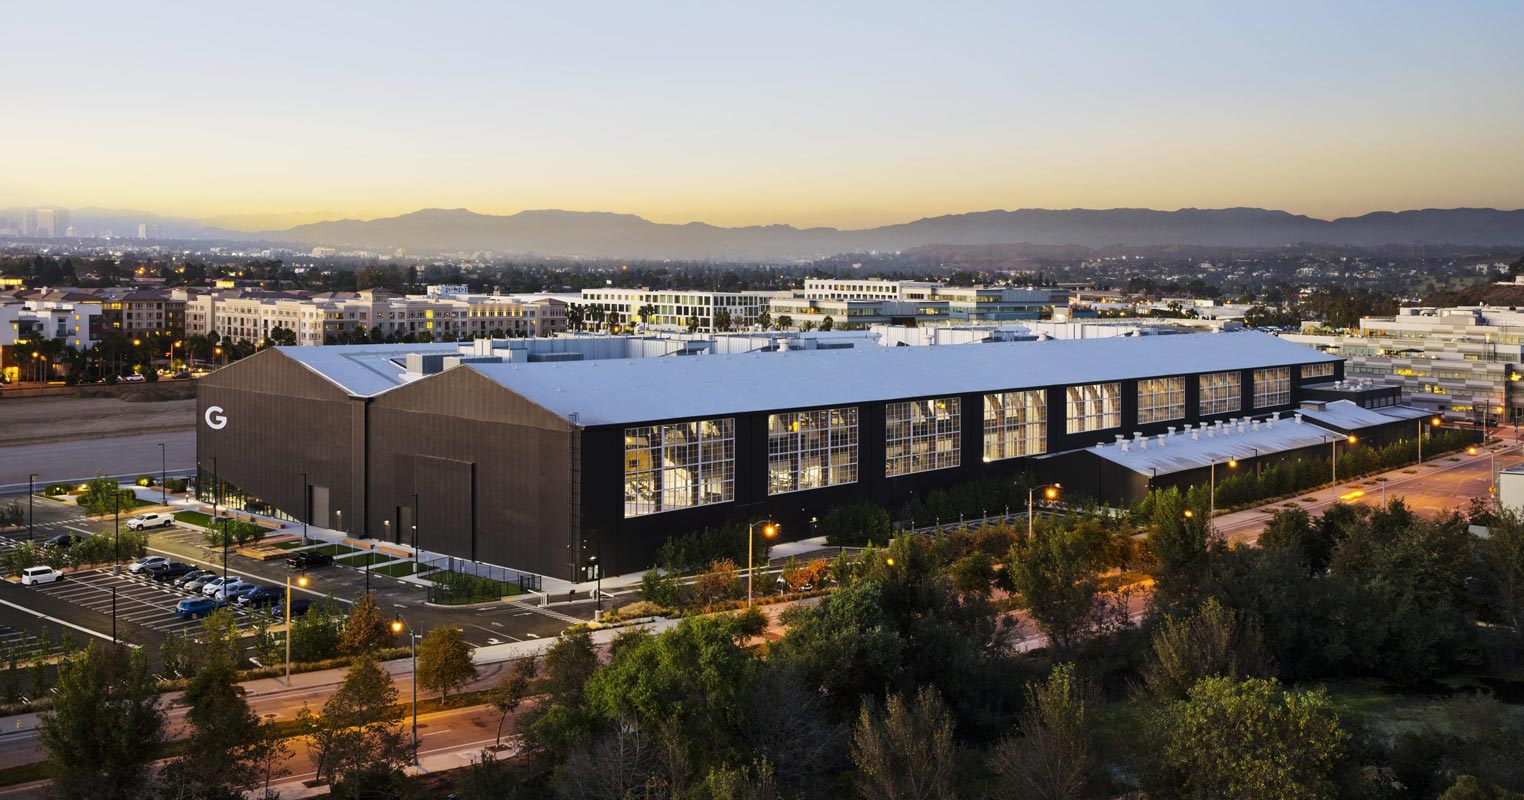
<point x="172" y="571"/>
<point x="31" y="576"/>
<point x="225" y="589"/>
<point x="309" y="559"/>
<point x="237" y="590"/>
<point x="181" y="375"/>
<point x="210" y="587"/>
<point x="299" y="606"/>
<point x="64" y="540"/>
<point x="134" y="379"/>
<point x="153" y="520"/>
<point x="197" y="606"/>
<point x="185" y="581"/>
<point x="262" y="596"/>
<point x="147" y="563"/>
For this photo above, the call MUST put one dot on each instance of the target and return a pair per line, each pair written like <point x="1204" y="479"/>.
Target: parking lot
<point x="139" y="600"/>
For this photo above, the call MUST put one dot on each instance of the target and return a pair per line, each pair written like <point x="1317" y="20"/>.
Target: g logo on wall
<point x="215" y="418"/>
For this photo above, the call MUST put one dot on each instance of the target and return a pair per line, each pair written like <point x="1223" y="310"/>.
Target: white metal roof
<point x="362" y="369"/>
<point x="1349" y="415"/>
<point x="618" y="392"/>
<point x="1179" y="453"/>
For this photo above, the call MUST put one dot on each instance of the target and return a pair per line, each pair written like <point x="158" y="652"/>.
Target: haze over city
<point x="850" y="116"/>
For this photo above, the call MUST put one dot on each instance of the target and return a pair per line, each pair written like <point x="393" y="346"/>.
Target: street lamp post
<point x="397" y="626"/>
<point x="31" y="492"/>
<point x="1212" y="492"/>
<point x="769" y="530"/>
<point x="301" y="581"/>
<point x="1334" y="456"/>
<point x="414" y="523"/>
<point x="163" y="475"/>
<point x="1434" y="422"/>
<point x="116" y="546"/>
<point x="1050" y="492"/>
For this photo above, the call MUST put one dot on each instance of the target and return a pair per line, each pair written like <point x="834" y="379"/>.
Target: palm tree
<point x="646" y="312"/>
<point x="574" y="317"/>
<point x="693" y="324"/>
<point x="785" y="322"/>
<point x="765" y="320"/>
<point x="722" y="320"/>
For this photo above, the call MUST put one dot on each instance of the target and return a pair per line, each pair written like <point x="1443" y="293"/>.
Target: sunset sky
<point x="843" y="114"/>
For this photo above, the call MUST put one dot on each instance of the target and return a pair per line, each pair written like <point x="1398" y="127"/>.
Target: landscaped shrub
<point x="146" y="480"/>
<point x="57" y="489"/>
<point x="175" y="485"/>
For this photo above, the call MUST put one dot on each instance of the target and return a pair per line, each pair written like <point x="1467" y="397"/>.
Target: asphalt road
<point x="1439" y="486"/>
<point x="81" y="459"/>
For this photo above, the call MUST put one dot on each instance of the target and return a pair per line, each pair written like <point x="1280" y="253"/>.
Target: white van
<point x="31" y="576"/>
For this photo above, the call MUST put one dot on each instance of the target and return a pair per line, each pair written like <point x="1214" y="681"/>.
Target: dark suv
<point x="309" y="560"/>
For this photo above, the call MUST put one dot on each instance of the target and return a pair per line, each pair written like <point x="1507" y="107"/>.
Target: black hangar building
<point x="534" y="466"/>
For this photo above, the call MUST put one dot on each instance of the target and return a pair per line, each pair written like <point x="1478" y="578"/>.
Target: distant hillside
<point x="608" y="235"/>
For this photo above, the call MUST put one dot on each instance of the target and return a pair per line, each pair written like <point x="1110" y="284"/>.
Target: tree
<point x="1291" y="530"/>
<point x="717" y="583"/>
<point x="569" y="663"/>
<point x="444" y="660"/>
<point x="105" y="727"/>
<point x="646" y="312"/>
<point x="1213" y="641"/>
<point x="511" y="691"/>
<point x="1053" y="758"/>
<point x="1247" y="739"/>
<point x="1179" y="544"/>
<point x="1501" y="556"/>
<point x="365" y="631"/>
<point x="722" y="320"/>
<point x="103" y="496"/>
<point x="765" y="320"/>
<point x="827" y="324"/>
<point x="486" y="778"/>
<point x="12" y="515"/>
<point x="906" y="751"/>
<point x="785" y="322"/>
<point x="222" y="748"/>
<point x="1055" y="574"/>
<point x="359" y="728"/>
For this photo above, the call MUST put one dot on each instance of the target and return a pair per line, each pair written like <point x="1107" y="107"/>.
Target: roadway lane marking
<point x="63" y="622"/>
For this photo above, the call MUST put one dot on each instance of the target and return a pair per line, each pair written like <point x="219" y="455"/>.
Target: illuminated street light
<point x="1050" y="492"/>
<point x="769" y="530"/>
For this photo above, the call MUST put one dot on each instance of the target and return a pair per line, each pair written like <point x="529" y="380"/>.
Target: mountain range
<point x="608" y="235"/>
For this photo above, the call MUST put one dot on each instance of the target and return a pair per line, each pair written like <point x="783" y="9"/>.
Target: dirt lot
<point x="58" y="419"/>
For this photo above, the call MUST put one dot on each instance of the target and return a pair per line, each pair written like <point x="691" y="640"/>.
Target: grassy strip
<point x="400" y="570"/>
<point x="23" y="773"/>
<point x="194" y="518"/>
<point x="333" y="549"/>
<point x="364" y="559"/>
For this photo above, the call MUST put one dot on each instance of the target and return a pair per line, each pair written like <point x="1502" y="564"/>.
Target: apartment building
<point x="619" y="309"/>
<point x="961" y="303"/>
<point x="334" y="317"/>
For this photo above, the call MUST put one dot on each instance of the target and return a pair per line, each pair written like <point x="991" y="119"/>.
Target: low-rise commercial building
<point x="535" y="466"/>
<point x="1464" y="363"/>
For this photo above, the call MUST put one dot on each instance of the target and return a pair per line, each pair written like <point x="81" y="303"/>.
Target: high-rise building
<point x="51" y="223"/>
<point x="28" y="222"/>
<point x="142" y="230"/>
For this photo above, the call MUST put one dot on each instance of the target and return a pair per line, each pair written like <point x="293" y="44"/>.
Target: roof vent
<point x="1124" y="445"/>
<point x="1161" y="440"/>
<point x="1195" y="436"/>
<point x="1172" y="431"/>
<point x="1298" y="418"/>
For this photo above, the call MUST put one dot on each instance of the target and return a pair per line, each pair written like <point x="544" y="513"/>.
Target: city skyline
<point x="848" y="117"/>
